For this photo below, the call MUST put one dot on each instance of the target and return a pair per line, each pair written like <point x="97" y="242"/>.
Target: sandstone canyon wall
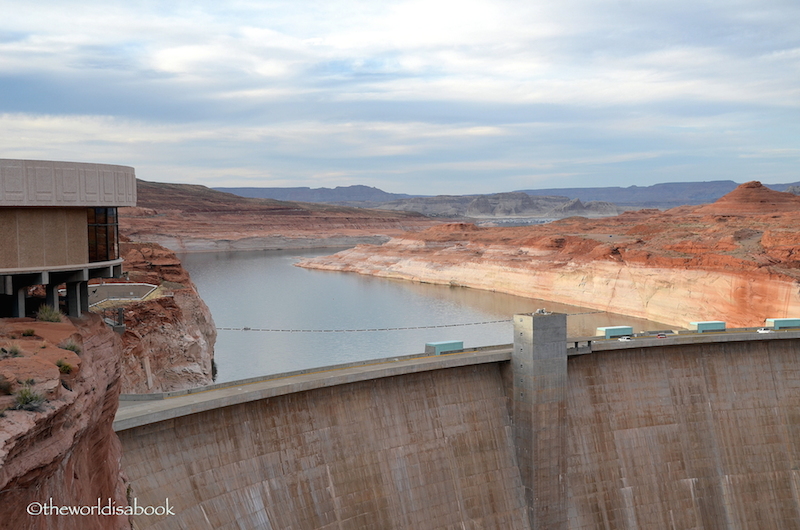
<point x="67" y="451"/>
<point x="737" y="260"/>
<point x="169" y="337"/>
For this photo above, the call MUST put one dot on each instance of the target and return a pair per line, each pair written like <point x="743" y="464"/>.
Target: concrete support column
<point x="84" y="289"/>
<point x="74" y="299"/>
<point x="19" y="301"/>
<point x="51" y="295"/>
<point x="539" y="367"/>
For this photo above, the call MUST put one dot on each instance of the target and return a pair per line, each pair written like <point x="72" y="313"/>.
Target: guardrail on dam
<point x="698" y="431"/>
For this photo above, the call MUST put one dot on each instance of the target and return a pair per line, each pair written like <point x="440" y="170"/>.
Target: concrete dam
<point x="695" y="431"/>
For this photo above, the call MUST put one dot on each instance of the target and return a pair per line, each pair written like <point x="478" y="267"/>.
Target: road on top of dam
<point x="143" y="409"/>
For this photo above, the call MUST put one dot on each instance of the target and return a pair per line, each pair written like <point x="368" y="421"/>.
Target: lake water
<point x="262" y="290"/>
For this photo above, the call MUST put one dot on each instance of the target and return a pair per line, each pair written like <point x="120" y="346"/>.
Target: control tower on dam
<point x="690" y="431"/>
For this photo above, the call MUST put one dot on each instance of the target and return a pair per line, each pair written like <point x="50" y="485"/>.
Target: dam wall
<point x="421" y="450"/>
<point x="690" y="432"/>
<point x="689" y="436"/>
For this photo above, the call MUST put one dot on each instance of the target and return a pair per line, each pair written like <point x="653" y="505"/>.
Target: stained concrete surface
<point x="430" y="450"/>
<point x="661" y="433"/>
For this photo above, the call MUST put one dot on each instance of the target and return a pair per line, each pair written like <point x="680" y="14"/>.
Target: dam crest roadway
<point x="141" y="409"/>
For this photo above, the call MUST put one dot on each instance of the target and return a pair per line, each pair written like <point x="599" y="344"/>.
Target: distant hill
<point x="190" y="217"/>
<point x="551" y="202"/>
<point x="355" y="195"/>
<point x="666" y="195"/>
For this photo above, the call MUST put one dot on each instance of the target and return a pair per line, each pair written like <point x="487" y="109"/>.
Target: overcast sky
<point x="420" y="97"/>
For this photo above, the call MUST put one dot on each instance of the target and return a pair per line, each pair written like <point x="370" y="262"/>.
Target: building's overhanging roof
<point x="34" y="183"/>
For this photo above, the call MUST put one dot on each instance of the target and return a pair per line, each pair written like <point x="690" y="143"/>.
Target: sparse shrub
<point x="28" y="333"/>
<point x="28" y="399"/>
<point x="48" y="313"/>
<point x="2" y="413"/>
<point x="71" y="345"/>
<point x="30" y="382"/>
<point x="64" y="367"/>
<point x="11" y="351"/>
<point x="5" y="386"/>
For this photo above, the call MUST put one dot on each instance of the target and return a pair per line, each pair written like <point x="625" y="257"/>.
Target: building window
<point x="103" y="234"/>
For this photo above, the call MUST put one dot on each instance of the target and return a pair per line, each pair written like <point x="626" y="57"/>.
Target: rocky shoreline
<point x="196" y="244"/>
<point x="736" y="260"/>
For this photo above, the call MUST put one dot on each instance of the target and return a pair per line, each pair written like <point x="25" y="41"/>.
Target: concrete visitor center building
<point x="59" y="226"/>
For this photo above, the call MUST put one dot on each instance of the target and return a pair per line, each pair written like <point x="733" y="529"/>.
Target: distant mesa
<point x="358" y="195"/>
<point x="193" y="218"/>
<point x="663" y="195"/>
<point x="552" y="203"/>
<point x="503" y="205"/>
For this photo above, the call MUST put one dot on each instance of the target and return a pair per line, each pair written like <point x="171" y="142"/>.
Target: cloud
<point x="436" y="95"/>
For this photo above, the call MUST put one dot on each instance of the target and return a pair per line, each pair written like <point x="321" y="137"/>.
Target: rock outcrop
<point x="169" y="337"/>
<point x="65" y="453"/>
<point x="588" y="209"/>
<point x="736" y="260"/>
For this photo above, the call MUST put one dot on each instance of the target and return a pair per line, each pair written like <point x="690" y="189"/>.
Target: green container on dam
<point x="438" y="348"/>
<point x="610" y="332"/>
<point x="783" y="323"/>
<point x="707" y="326"/>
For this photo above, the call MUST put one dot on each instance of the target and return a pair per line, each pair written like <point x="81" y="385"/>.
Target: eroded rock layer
<point x="169" y="337"/>
<point x="736" y="260"/>
<point x="66" y="453"/>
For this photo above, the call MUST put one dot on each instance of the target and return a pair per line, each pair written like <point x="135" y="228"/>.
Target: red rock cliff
<point x="736" y="260"/>
<point x="169" y="337"/>
<point x="67" y="451"/>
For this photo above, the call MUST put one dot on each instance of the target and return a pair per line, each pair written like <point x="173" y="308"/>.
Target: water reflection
<point x="263" y="289"/>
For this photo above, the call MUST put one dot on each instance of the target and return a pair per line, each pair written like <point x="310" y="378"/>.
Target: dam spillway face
<point x="694" y="436"/>
<point x="678" y="435"/>
<point x="429" y="450"/>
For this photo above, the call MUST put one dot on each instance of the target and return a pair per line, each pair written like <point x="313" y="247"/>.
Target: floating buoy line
<point x="279" y="330"/>
<point x="276" y="330"/>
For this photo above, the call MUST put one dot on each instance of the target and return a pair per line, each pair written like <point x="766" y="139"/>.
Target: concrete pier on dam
<point x="690" y="431"/>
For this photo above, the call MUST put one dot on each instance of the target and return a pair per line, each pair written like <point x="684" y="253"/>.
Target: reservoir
<point x="299" y="318"/>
